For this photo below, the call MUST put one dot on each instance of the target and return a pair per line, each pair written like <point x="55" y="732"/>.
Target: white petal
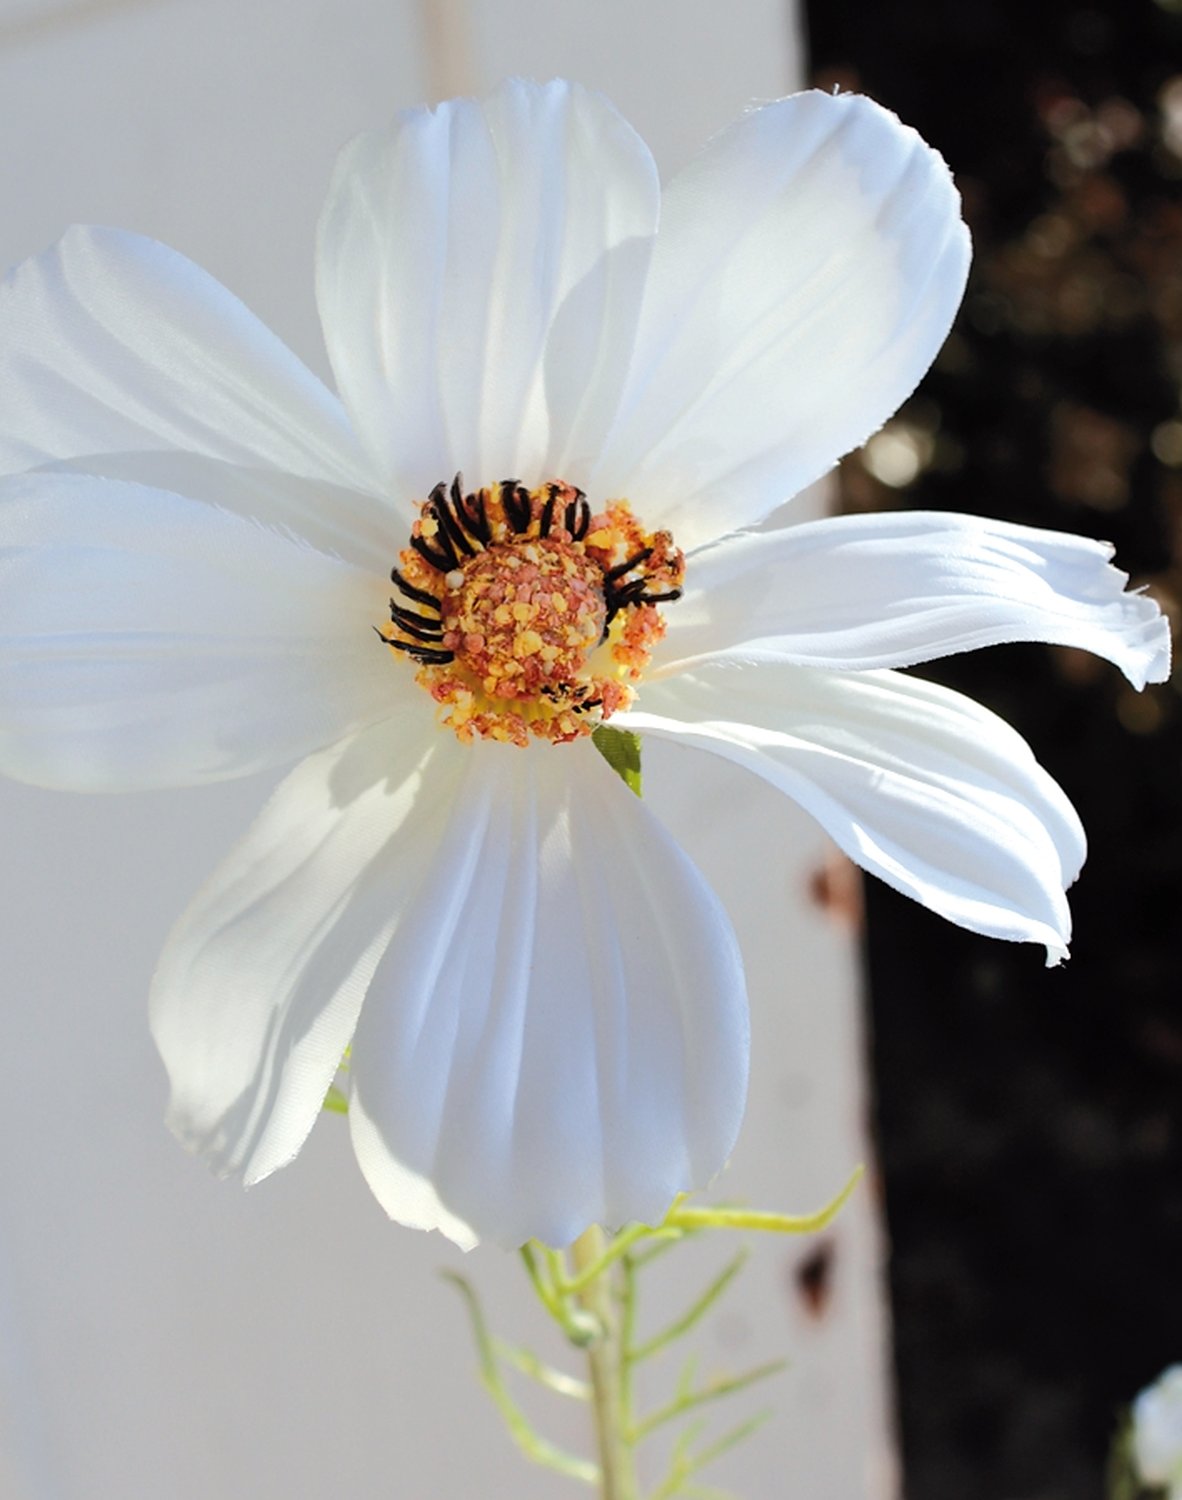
<point x="480" y="274"/>
<point x="342" y="522"/>
<point x="919" y="785"/>
<point x="557" y="1034"/>
<point x="808" y="269"/>
<point x="149" y="640"/>
<point x="257" y="992"/>
<point x="110" y="342"/>
<point x="893" y="590"/>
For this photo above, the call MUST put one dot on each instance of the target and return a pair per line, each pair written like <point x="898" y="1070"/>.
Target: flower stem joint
<point x="529" y="616"/>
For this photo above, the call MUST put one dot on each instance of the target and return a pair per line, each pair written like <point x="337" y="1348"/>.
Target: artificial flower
<point x="1157" y="1432"/>
<point x="213" y="565"/>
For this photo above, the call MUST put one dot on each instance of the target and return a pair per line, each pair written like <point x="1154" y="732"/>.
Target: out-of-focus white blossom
<point x="1157" y="1432"/>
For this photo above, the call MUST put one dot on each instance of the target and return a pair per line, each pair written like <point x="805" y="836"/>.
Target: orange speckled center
<point x="526" y="616"/>
<point x="529" y="617"/>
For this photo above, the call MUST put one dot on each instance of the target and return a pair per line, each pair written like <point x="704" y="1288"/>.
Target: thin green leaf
<point x="616" y="1247"/>
<point x="689" y="1373"/>
<point x="736" y="1218"/>
<point x="694" y="1314"/>
<point x="665" y="1238"/>
<point x="687" y="1437"/>
<point x="730" y="1439"/>
<point x="684" y="1464"/>
<point x="535" y="1447"/>
<point x="529" y="1364"/>
<point x="712" y="1392"/>
<point x="680" y="1463"/>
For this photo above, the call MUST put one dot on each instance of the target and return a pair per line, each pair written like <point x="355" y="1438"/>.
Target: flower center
<point x="526" y="616"/>
<point x="529" y="616"/>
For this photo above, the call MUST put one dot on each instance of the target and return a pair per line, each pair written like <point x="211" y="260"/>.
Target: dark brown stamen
<point x="473" y="511"/>
<point x="626" y="567"/>
<point x="420" y="596"/>
<point x="449" y="520"/>
<point x="517" y="505"/>
<point x="578" y="517"/>
<point x="425" y="654"/>
<point x="420" y="626"/>
<point x="547" y="518"/>
<point x="441" y="561"/>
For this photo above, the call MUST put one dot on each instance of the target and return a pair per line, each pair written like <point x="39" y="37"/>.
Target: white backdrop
<point x="165" y="1335"/>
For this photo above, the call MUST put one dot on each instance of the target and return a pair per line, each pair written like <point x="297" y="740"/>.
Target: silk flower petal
<point x="259" y="986"/>
<point x="148" y="640"/>
<point x="111" y="342"/>
<point x="480" y="269"/>
<point x="557" y="1034"/>
<point x="917" y="784"/>
<point x="808" y="268"/>
<point x="894" y="590"/>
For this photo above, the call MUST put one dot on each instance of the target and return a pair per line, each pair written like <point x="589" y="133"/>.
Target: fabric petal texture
<point x="917" y="784"/>
<point x="261" y="981"/>
<point x="110" y="342"/>
<point x="342" y="522"/>
<point x="148" y="640"/>
<point x="557" y="1034"/>
<point x="504" y="247"/>
<point x="808" y="268"/>
<point x="896" y="589"/>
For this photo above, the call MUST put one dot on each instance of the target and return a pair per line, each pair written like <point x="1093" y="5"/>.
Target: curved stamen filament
<point x="420" y="596"/>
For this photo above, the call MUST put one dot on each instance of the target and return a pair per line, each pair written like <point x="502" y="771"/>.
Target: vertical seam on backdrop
<point x="447" y="41"/>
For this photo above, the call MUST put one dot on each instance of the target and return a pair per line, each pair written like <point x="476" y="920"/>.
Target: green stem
<point x="617" y="1477"/>
<point x="627" y="1300"/>
<point x="577" y="1324"/>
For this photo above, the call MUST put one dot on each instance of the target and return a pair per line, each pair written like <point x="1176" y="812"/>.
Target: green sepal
<point x="335" y="1101"/>
<point x="621" y="749"/>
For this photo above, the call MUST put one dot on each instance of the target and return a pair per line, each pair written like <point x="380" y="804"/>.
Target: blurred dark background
<point x="1030" y="1120"/>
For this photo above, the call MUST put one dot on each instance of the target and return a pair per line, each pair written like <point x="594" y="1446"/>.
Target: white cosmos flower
<point x="544" y="1000"/>
<point x="1157" y="1432"/>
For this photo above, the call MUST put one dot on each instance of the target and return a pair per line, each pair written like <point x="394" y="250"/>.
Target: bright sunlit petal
<point x="808" y="268"/>
<point x="258" y="989"/>
<point x="149" y="640"/>
<point x="917" y="784"/>
<point x="894" y="590"/>
<point x="480" y="271"/>
<point x="110" y="343"/>
<point x="342" y="522"/>
<point x="557" y="1034"/>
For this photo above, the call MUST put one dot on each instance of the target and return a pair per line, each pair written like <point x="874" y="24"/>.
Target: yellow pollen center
<point x="529" y="617"/>
<point x="526" y="616"/>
